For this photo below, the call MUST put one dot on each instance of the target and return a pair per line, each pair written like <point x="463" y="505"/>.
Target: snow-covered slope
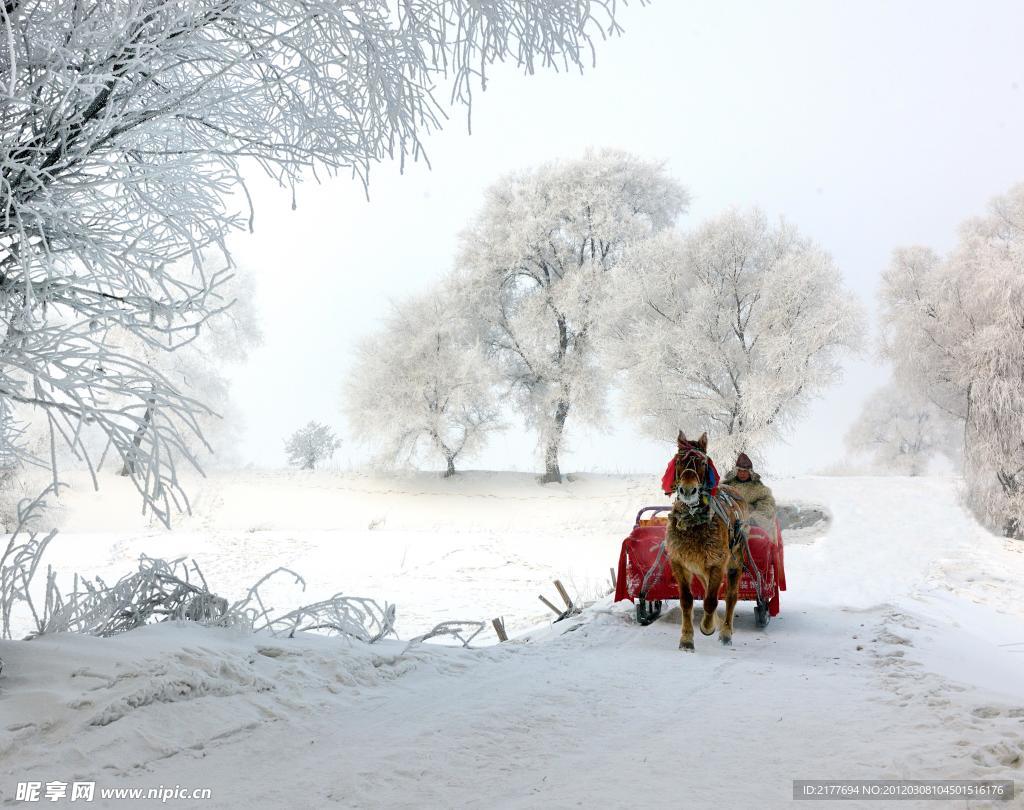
<point x="899" y="653"/>
<point x="479" y="546"/>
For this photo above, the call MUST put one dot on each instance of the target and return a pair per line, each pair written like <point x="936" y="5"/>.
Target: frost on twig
<point x="356" y="617"/>
<point x="458" y="630"/>
<point x="162" y="590"/>
<point x="19" y="565"/>
<point x="158" y="591"/>
<point x="353" y="616"/>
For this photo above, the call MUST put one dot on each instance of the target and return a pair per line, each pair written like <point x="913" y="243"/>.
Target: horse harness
<point x="719" y="504"/>
<point x="708" y="501"/>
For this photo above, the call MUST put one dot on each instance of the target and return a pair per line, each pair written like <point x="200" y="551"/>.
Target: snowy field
<point x="899" y="653"/>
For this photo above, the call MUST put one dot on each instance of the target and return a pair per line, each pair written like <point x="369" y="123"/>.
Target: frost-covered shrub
<point x="161" y="590"/>
<point x="24" y="473"/>
<point x="310" y="445"/>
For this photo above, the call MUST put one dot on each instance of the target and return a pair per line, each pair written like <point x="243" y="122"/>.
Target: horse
<point x="704" y="540"/>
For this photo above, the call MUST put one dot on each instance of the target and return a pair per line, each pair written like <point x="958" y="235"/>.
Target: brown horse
<point x="700" y="543"/>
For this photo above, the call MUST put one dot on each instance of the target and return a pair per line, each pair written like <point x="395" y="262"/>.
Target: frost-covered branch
<point x="458" y="630"/>
<point x="354" y="617"/>
<point x="19" y="565"/>
<point x="162" y="590"/>
<point x="126" y="128"/>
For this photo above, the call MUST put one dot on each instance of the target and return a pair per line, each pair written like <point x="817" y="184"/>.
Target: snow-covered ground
<point x="899" y="653"/>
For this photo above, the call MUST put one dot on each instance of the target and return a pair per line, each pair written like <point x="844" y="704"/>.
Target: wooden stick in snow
<point x="499" y="629"/>
<point x="564" y="594"/>
<point x="556" y="611"/>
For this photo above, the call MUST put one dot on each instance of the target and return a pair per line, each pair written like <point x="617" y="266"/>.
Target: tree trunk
<point x="967" y="420"/>
<point x="129" y="461"/>
<point x="446" y="451"/>
<point x="1010" y="483"/>
<point x="552" y="474"/>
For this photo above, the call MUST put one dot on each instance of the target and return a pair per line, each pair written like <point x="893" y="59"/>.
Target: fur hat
<point x="743" y="462"/>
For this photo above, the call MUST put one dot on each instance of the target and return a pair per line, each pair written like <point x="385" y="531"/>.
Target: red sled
<point x="645" y="575"/>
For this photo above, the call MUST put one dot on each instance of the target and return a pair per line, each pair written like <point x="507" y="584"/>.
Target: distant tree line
<point x="953" y="330"/>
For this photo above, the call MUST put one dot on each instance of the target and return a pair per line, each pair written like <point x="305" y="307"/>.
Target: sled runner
<point x="645" y="576"/>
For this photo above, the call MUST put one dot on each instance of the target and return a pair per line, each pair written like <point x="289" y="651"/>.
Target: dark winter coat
<point x="757" y="495"/>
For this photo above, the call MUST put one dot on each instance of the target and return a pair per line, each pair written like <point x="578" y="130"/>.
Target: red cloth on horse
<point x="668" y="479"/>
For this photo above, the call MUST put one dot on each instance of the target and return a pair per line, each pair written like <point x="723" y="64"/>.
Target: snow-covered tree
<point x="902" y="431"/>
<point x="310" y="445"/>
<point x="923" y="321"/>
<point x="125" y="129"/>
<point x="421" y="386"/>
<point x="738" y="326"/>
<point x="955" y="328"/>
<point x="538" y="259"/>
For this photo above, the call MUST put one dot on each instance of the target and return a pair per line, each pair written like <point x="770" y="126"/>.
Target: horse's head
<point x="691" y="469"/>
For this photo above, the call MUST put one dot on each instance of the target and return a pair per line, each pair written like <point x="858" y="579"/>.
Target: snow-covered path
<point x="898" y="654"/>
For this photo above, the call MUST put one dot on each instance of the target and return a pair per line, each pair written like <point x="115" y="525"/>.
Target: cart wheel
<point x="761" y="616"/>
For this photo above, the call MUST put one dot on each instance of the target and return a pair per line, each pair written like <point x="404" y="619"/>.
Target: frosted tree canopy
<point x="740" y="324"/>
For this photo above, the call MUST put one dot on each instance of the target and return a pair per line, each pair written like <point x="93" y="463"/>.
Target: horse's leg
<point x="686" y="605"/>
<point x="707" y="623"/>
<point x="732" y="592"/>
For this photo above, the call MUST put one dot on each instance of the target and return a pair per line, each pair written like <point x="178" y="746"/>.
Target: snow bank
<point x="82" y="708"/>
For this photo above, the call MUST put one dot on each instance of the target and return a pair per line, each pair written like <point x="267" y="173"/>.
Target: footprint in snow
<point x="986" y="712"/>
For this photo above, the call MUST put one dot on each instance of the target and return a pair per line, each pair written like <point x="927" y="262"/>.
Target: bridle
<point x="691" y="459"/>
<point x="694" y="460"/>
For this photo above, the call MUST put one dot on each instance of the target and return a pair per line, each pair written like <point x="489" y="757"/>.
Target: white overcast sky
<point x="869" y="125"/>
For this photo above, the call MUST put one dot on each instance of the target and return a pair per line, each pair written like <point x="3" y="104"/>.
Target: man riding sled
<point x="758" y="496"/>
